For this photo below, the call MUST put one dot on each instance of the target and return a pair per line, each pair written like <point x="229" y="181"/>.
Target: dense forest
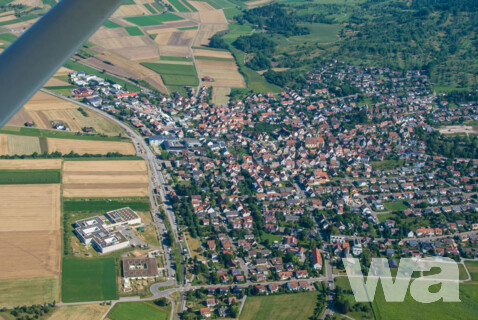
<point x="275" y="18"/>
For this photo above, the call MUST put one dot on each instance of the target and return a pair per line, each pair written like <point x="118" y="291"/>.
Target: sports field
<point x="101" y="179"/>
<point x="280" y="307"/>
<point x="88" y="279"/>
<point x="138" y="310"/>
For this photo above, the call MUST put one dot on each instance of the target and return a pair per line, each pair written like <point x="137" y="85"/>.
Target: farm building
<point x="140" y="268"/>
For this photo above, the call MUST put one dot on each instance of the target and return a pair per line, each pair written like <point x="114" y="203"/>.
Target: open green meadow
<point x="178" y="6"/>
<point x="104" y="205"/>
<point x="134" y="31"/>
<point x="30" y="291"/>
<point x="414" y="310"/>
<point x="175" y="74"/>
<point x="88" y="279"/>
<point x="395" y="206"/>
<point x="138" y="310"/>
<point x="110" y="24"/>
<point x="153" y="20"/>
<point x="151" y="8"/>
<point x="298" y="306"/>
<point x="28" y="176"/>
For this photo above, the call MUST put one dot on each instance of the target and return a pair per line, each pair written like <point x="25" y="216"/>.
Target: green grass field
<point x="134" y="31"/>
<point x="30" y="176"/>
<point x="387" y="164"/>
<point x="150" y="8"/>
<point x="103" y="205"/>
<point x="175" y="74"/>
<point x="153" y="19"/>
<point x="280" y="307"/>
<point x="29" y="291"/>
<point x="21" y="19"/>
<point x="138" y="310"/>
<point x="472" y="267"/>
<point x="178" y="6"/>
<point x="395" y="206"/>
<point x="46" y="133"/>
<point x="6" y="39"/>
<point x="88" y="279"/>
<point x="110" y="24"/>
<point x="187" y="28"/>
<point x="411" y="309"/>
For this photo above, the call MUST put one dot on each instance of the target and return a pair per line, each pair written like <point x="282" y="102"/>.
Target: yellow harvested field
<point x="24" y="25"/>
<point x="202" y="5"/>
<point x="63" y="71"/>
<point x="54" y="82"/>
<point x="7" y="18"/>
<point x="220" y="95"/>
<point x="30" y="3"/>
<point x="213" y="54"/>
<point x="30" y="164"/>
<point x="87" y="146"/>
<point x="224" y="73"/>
<point x="80" y="312"/>
<point x="30" y="254"/>
<point x="163" y="36"/>
<point x="136" y="166"/>
<point x="44" y="101"/>
<point x="212" y="16"/>
<point x="19" y="119"/>
<point x="105" y="179"/>
<point x="3" y="145"/>
<point x="30" y="233"/>
<point x="29" y="208"/>
<point x="29" y="291"/>
<point x="178" y="51"/>
<point x="119" y="41"/>
<point x="45" y="109"/>
<point x="206" y="31"/>
<point x="129" y="10"/>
